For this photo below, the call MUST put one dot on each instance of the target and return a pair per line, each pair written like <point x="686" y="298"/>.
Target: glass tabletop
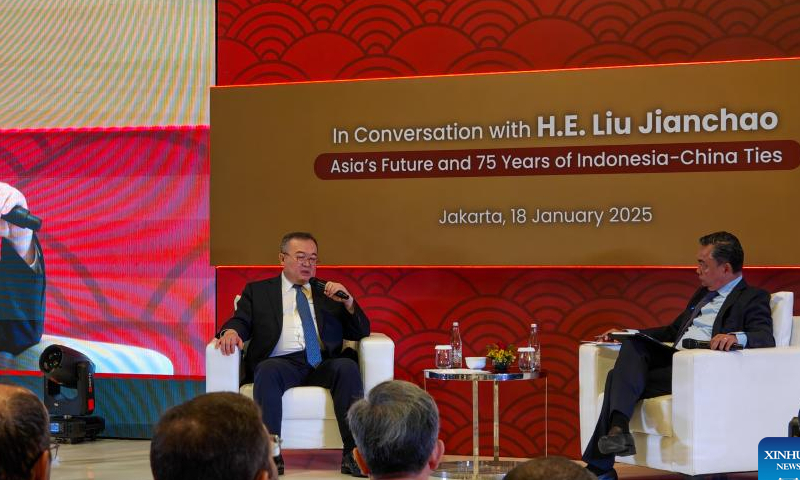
<point x="466" y="374"/>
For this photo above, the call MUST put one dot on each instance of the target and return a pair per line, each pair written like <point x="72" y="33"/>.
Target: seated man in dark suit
<point x="296" y="336"/>
<point x="21" y="280"/>
<point x="724" y="311"/>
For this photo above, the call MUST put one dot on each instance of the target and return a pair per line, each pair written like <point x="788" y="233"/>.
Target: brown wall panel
<point x="272" y="151"/>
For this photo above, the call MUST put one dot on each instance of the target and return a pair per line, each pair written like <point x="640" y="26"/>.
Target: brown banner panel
<point x="617" y="166"/>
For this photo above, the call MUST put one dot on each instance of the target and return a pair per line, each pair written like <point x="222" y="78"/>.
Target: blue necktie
<point x="313" y="354"/>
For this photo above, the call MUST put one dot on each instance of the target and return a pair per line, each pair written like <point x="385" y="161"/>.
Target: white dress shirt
<point x="292" y="338"/>
<point x="702" y="325"/>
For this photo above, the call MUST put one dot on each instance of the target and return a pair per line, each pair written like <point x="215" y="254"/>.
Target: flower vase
<point x="500" y="367"/>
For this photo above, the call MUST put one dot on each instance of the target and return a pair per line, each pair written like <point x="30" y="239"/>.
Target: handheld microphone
<point x="320" y="285"/>
<point x="691" y="343"/>
<point x="21" y="217"/>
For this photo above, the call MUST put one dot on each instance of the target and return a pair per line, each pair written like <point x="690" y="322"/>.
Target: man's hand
<point x="723" y="341"/>
<point x="330" y="291"/>
<point x="21" y="238"/>
<point x="229" y="341"/>
<point x="606" y="336"/>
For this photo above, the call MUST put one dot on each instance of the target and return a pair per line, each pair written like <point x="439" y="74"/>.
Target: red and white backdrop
<point x="289" y="41"/>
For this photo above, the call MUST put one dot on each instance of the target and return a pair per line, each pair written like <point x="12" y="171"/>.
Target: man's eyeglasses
<point x="276" y="445"/>
<point x="53" y="451"/>
<point x="302" y="259"/>
<point x="53" y="448"/>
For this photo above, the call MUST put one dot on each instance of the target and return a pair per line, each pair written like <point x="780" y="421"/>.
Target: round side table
<point x="477" y="468"/>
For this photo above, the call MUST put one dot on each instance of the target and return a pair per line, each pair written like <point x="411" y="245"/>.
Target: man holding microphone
<point x="296" y="336"/>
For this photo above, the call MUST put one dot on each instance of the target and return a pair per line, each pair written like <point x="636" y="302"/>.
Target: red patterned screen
<point x="124" y="235"/>
<point x="415" y="307"/>
<point x="279" y="41"/>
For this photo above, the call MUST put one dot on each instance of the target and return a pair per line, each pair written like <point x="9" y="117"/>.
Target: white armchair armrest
<point x="222" y="371"/>
<point x="746" y="395"/>
<point x="376" y="360"/>
<point x="594" y="363"/>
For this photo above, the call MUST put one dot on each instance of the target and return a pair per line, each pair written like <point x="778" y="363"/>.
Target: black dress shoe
<point x="349" y="465"/>
<point x="620" y="444"/>
<point x="608" y="475"/>
<point x="280" y="464"/>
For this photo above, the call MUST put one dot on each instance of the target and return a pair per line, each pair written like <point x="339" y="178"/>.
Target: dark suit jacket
<point x="259" y="318"/>
<point x="21" y="300"/>
<point x="746" y="309"/>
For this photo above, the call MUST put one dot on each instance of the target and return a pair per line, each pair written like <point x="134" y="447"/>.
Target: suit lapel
<point x="276" y="298"/>
<point x="318" y="299"/>
<point x="690" y="312"/>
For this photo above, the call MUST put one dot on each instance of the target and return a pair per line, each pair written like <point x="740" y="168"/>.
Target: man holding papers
<point x="724" y="311"/>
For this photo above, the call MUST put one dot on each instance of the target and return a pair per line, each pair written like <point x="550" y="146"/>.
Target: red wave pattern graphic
<point x="280" y="41"/>
<point x="125" y="234"/>
<point x="416" y="305"/>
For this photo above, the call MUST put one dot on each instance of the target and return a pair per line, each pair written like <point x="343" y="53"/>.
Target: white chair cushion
<point x="781" y="304"/>
<point x="308" y="403"/>
<point x="302" y="403"/>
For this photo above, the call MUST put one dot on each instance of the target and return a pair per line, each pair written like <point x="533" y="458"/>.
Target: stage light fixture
<point x="69" y="394"/>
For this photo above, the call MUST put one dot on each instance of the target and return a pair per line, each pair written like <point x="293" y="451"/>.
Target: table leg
<point x="496" y="420"/>
<point x="545" y="416"/>
<point x="475" y="432"/>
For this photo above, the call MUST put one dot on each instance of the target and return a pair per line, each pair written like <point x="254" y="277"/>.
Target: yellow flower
<point x="499" y="353"/>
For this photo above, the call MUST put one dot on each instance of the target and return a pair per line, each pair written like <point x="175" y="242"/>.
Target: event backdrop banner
<point x="612" y="166"/>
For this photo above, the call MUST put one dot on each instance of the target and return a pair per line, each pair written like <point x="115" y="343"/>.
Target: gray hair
<point x="396" y="428"/>
<point x="549" y="468"/>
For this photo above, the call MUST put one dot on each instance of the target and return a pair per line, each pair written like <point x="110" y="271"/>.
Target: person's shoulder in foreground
<point x="549" y="468"/>
<point x="215" y="436"/>
<point x="24" y="435"/>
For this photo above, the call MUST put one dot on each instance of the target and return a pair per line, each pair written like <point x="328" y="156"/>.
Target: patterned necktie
<point x="707" y="298"/>
<point x="313" y="354"/>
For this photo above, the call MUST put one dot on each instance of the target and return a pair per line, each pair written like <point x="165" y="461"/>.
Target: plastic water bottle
<point x="533" y="342"/>
<point x="455" y="342"/>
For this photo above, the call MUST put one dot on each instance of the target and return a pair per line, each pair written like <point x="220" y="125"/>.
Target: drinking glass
<point x="526" y="355"/>
<point x="444" y="356"/>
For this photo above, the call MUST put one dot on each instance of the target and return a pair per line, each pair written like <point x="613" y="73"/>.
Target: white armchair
<point x="308" y="417"/>
<point x="722" y="403"/>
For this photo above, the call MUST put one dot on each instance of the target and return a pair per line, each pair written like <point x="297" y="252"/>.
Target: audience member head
<point x="214" y="436"/>
<point x="549" y="468"/>
<point x="725" y="249"/>
<point x="24" y="435"/>
<point x="396" y="429"/>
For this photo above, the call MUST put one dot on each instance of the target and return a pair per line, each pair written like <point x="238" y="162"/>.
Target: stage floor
<point x="108" y="459"/>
